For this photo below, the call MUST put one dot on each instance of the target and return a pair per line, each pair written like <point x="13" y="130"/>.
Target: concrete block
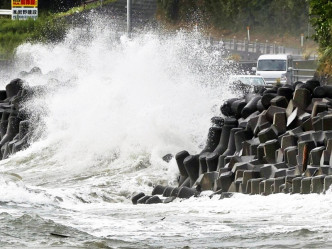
<point x="191" y="164"/>
<point x="169" y="199"/>
<point x="281" y="165"/>
<point x="296" y="131"/>
<point x="175" y="192"/>
<point x="202" y="163"/>
<point x="290" y="108"/>
<point x="327" y="122"/>
<point x="279" y="155"/>
<point x="249" y="145"/>
<point x="315" y="155"/>
<point x="240" y="137"/>
<point x="185" y="182"/>
<point x="268" y="171"/>
<point x="207" y="181"/>
<point x="277" y="183"/>
<point x="306" y="185"/>
<point x="268" y="183"/>
<point x="239" y="159"/>
<point x="241" y="166"/>
<point x="280" y="173"/>
<point x="310" y="171"/>
<point x="135" y="198"/>
<point x="290" y="155"/>
<point x="251" y="106"/>
<point x="214" y="134"/>
<point x="252" y="122"/>
<point x="322" y="91"/>
<point x="143" y="199"/>
<point x="285" y="92"/>
<point x="237" y="107"/>
<point x="280" y="122"/>
<point x="273" y="110"/>
<point x="264" y="126"/>
<point x="319" y="107"/>
<point x="167" y="192"/>
<point x="224" y="181"/>
<point x="158" y="190"/>
<point x="268" y="134"/>
<point x="233" y="188"/>
<point x="186" y="193"/>
<point x="153" y="200"/>
<point x="286" y="189"/>
<point x="324" y="170"/>
<point x="288" y="140"/>
<point x="255" y="183"/>
<point x="261" y="120"/>
<point x="296" y="185"/>
<point x="266" y="99"/>
<point x="225" y="195"/>
<point x="302" y="98"/>
<point x="307" y="125"/>
<point x="317" y="184"/>
<point x="327" y="182"/>
<point x="212" y="161"/>
<point x="226" y="109"/>
<point x="217" y="121"/>
<point x="292" y="118"/>
<point x="221" y="162"/>
<point x="179" y="157"/>
<point x="247" y="175"/>
<point x="279" y="101"/>
<point x="261" y="187"/>
<point x="260" y="152"/>
<point x="302" y="117"/>
<point x="320" y="137"/>
<point x="318" y="124"/>
<point x="270" y="148"/>
<point x="325" y="159"/>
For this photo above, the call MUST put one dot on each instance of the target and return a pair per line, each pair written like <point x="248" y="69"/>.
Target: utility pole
<point x="129" y="18"/>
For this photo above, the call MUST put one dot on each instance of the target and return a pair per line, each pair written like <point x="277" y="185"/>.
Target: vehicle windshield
<point x="271" y="65"/>
<point x="255" y="81"/>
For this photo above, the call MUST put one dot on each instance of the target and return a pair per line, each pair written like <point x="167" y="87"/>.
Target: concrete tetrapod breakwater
<point x="14" y="126"/>
<point x="276" y="141"/>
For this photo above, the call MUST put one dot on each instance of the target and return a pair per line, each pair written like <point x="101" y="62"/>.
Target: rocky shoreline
<point x="276" y="141"/>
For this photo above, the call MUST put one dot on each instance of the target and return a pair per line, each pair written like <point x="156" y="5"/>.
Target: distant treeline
<point x="267" y="15"/>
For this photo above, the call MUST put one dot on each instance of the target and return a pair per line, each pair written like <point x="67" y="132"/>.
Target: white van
<point x="275" y="68"/>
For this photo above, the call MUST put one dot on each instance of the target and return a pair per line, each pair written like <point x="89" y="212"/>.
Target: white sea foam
<point x="124" y="103"/>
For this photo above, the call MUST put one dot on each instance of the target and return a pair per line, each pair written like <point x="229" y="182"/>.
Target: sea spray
<point x="115" y="106"/>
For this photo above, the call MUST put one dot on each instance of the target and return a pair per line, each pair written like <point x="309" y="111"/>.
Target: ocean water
<point x="110" y="109"/>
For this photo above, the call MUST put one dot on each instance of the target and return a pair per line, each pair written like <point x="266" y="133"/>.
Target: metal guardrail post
<point x="246" y="46"/>
<point x="129" y="18"/>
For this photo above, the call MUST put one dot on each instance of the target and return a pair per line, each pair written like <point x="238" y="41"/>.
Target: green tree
<point x="321" y="20"/>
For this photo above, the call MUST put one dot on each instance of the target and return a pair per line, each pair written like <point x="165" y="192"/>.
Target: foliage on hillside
<point x="321" y="19"/>
<point x="51" y="6"/>
<point x="14" y="32"/>
<point x="264" y="15"/>
<point x="48" y="27"/>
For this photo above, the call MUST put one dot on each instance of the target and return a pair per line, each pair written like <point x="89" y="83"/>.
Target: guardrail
<point x="6" y="12"/>
<point x="254" y="47"/>
<point x="297" y="76"/>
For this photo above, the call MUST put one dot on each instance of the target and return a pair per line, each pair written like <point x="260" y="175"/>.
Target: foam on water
<point x="122" y="104"/>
